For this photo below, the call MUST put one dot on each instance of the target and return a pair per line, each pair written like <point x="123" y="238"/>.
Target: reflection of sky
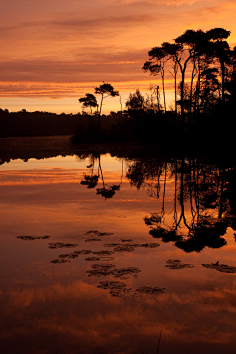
<point x="71" y="162"/>
<point x="49" y="308"/>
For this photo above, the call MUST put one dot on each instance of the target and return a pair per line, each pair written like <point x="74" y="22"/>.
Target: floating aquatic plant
<point x="60" y="260"/>
<point x="126" y="240"/>
<point x="177" y="264"/>
<point x="68" y="255"/>
<point x="117" y="288"/>
<point x="95" y="233"/>
<point x="93" y="239"/>
<point x="150" y="289"/>
<point x="56" y="245"/>
<point x="31" y="238"/>
<point x="92" y="259"/>
<point x="149" y="245"/>
<point x="104" y="269"/>
<point x="103" y="253"/>
<point x="124" y="248"/>
<point x="220" y="267"/>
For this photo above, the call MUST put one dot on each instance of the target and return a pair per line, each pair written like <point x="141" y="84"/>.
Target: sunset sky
<point x="54" y="51"/>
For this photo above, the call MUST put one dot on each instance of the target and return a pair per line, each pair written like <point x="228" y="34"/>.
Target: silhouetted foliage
<point x="135" y="101"/>
<point x="105" y="90"/>
<point x="201" y="187"/>
<point x="89" y="101"/>
<point x="23" y="123"/>
<point x="210" y="56"/>
<point x="201" y="117"/>
<point x="106" y="191"/>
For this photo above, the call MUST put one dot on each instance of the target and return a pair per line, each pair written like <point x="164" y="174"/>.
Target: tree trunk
<point x="191" y="91"/>
<point x="176" y="93"/>
<point x="223" y="82"/>
<point x="99" y="115"/>
<point x="182" y="98"/>
<point x="163" y="84"/>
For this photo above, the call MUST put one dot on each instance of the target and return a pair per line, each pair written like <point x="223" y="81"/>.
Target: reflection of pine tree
<point x="146" y="174"/>
<point x="91" y="180"/>
<point x="197" y="185"/>
<point x="107" y="191"/>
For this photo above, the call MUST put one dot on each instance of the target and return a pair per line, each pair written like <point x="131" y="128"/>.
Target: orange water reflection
<point x="58" y="308"/>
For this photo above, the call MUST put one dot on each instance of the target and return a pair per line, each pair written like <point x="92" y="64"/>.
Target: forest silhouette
<point x="203" y="108"/>
<point x="203" y="67"/>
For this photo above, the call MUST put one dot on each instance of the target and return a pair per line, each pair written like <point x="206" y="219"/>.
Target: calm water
<point x="102" y="254"/>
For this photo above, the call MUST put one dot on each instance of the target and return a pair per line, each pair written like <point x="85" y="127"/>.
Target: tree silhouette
<point x="156" y="65"/>
<point x="209" y="90"/>
<point x="203" y="50"/>
<point x="219" y="48"/>
<point x="230" y="84"/>
<point x="192" y="43"/>
<point x="105" y="90"/>
<point x="155" y="91"/>
<point x="135" y="101"/>
<point x="89" y="101"/>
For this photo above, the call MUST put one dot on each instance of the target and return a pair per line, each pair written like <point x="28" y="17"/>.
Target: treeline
<point x="211" y="67"/>
<point x="203" y="67"/>
<point x="23" y="123"/>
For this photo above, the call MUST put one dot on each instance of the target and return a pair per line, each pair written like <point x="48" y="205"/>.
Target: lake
<point x="115" y="249"/>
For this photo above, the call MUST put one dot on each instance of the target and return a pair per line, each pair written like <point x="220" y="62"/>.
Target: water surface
<point x="103" y="252"/>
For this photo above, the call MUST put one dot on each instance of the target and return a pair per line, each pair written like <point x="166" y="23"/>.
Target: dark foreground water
<point x="129" y="253"/>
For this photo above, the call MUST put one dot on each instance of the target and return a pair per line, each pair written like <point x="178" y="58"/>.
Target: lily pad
<point x="32" y="238"/>
<point x="93" y="239"/>
<point x="60" y="260"/>
<point x="92" y="259"/>
<point x="125" y="247"/>
<point x="126" y="273"/>
<point x="103" y="253"/>
<point x="177" y="264"/>
<point x="101" y="269"/>
<point x="111" y="244"/>
<point x="117" y="288"/>
<point x="95" y="233"/>
<point x="126" y="240"/>
<point x="220" y="267"/>
<point x="111" y="285"/>
<point x="68" y="255"/>
<point x="56" y="245"/>
<point x="150" y="290"/>
<point x="149" y="245"/>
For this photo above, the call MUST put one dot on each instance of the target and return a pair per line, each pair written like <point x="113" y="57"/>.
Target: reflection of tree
<point x="147" y="174"/>
<point x="107" y="191"/>
<point x="202" y="207"/>
<point x="91" y="180"/>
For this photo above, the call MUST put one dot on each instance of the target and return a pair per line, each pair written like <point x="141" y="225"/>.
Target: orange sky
<point x="54" y="51"/>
